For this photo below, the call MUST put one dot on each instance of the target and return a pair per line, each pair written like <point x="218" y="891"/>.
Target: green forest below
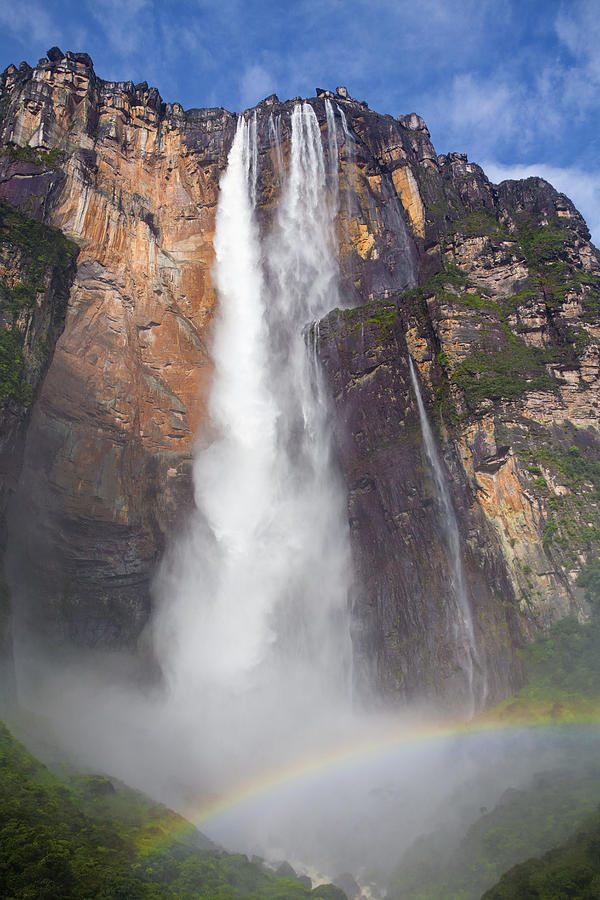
<point x="89" y="837"/>
<point x="546" y="832"/>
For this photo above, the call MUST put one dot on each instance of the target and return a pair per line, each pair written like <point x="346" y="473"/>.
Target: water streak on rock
<point x="462" y="617"/>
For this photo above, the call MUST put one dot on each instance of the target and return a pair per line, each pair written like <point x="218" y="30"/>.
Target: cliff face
<point x="37" y="266"/>
<point x="108" y="451"/>
<point x="503" y="327"/>
<point x="505" y="336"/>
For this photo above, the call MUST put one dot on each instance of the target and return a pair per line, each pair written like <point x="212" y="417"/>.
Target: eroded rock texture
<point x="492" y="290"/>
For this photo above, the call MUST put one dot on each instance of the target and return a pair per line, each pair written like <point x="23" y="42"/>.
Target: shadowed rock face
<point x="505" y="336"/>
<point x="37" y="266"/>
<point x="504" y="330"/>
<point x="404" y="629"/>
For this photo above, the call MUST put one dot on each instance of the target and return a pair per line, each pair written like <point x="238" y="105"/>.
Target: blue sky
<point x="513" y="83"/>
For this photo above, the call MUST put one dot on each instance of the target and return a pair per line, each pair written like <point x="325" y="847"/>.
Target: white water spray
<point x="255" y="629"/>
<point x="275" y="138"/>
<point x="464" y="635"/>
<point x="332" y="146"/>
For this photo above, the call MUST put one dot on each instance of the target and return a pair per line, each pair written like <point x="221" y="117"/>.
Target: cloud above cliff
<point x="31" y="22"/>
<point x="502" y="80"/>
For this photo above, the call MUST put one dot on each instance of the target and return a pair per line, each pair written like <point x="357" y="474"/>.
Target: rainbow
<point x="539" y="718"/>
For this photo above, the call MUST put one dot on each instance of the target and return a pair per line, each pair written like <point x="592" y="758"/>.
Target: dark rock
<point x="81" y="58"/>
<point x="55" y="54"/>
<point x="328" y="892"/>
<point x="348" y="884"/>
<point x="284" y="870"/>
<point x="27" y="249"/>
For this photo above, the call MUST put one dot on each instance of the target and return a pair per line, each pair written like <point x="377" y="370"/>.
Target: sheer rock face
<point x="506" y="340"/>
<point x="37" y="266"/>
<point x="106" y="472"/>
<point x="135" y="184"/>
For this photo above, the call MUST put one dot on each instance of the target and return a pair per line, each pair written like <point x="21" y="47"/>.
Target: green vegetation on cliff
<point x="34" y="260"/>
<point x="45" y="159"/>
<point x="90" y="837"/>
<point x="505" y="373"/>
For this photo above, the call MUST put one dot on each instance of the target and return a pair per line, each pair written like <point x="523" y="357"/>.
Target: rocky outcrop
<point x="492" y="290"/>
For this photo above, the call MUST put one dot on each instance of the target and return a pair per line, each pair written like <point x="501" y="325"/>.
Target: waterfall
<point x="348" y="136"/>
<point x="254" y="630"/>
<point x="464" y="635"/>
<point x="332" y="146"/>
<point x="275" y="139"/>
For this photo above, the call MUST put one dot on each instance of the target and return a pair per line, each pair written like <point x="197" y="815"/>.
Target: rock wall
<point x="37" y="266"/>
<point x="134" y="184"/>
<point x="492" y="290"/>
<point x="505" y="336"/>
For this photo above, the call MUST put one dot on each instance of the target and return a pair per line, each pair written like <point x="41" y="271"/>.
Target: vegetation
<point x="381" y="314"/>
<point x="573" y="513"/>
<point x="525" y="821"/>
<point x="505" y="373"/>
<point x="92" y="838"/>
<point x="563" y="671"/>
<point x="12" y="380"/>
<point x="39" y="255"/>
<point x="571" y="870"/>
<point x="46" y="159"/>
<point x="480" y="222"/>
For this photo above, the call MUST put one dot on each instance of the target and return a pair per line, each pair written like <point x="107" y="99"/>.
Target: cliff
<point x="505" y="335"/>
<point x="492" y="290"/>
<point x="37" y="266"/>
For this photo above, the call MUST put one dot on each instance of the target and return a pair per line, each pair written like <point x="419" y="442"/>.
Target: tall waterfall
<point x="255" y="627"/>
<point x="462" y="618"/>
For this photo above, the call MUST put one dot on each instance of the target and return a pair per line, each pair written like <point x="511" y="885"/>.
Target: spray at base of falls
<point x="464" y="634"/>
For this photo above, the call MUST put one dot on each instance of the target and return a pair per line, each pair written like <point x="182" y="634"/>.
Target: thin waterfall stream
<point x="464" y="633"/>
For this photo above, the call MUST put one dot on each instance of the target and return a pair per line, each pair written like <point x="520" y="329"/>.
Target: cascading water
<point x="464" y="634"/>
<point x="255" y="631"/>
<point x="332" y="146"/>
<point x="275" y="138"/>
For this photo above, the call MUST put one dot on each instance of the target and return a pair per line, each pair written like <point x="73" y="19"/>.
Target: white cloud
<point x="29" y="21"/>
<point x="583" y="188"/>
<point x="127" y="24"/>
<point x="256" y="83"/>
<point x="578" y="27"/>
